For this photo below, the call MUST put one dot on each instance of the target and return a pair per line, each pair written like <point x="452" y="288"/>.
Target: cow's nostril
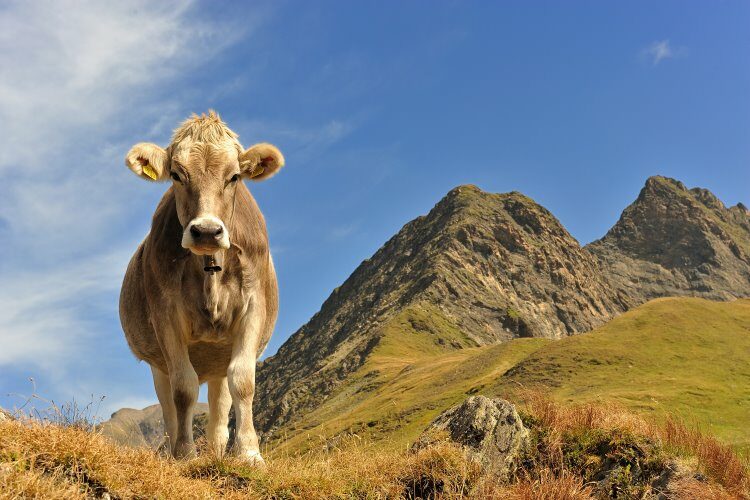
<point x="206" y="232"/>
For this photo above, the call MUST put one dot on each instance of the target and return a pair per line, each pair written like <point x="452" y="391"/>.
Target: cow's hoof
<point x="184" y="450"/>
<point x="253" y="457"/>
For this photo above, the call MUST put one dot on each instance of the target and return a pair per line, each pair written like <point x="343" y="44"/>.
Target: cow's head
<point x="205" y="162"/>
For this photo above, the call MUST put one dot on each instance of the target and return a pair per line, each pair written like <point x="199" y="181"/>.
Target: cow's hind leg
<point x="164" y="393"/>
<point x="219" y="403"/>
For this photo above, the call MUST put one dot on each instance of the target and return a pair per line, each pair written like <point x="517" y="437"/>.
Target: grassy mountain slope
<point x="499" y="267"/>
<point x="412" y="374"/>
<point x="687" y="356"/>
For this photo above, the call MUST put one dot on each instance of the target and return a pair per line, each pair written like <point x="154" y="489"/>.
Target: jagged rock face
<point x="497" y="266"/>
<point x="505" y="267"/>
<point x="677" y="241"/>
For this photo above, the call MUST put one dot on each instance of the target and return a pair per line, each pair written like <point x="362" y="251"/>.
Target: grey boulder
<point x="490" y="431"/>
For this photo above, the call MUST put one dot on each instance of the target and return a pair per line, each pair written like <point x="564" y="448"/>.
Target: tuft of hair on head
<point x="204" y="128"/>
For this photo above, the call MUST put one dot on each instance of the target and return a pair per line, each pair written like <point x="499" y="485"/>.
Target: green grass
<point x="414" y="373"/>
<point x="683" y="356"/>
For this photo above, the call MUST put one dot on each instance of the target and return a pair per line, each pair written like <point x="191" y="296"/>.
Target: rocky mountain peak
<point x="490" y="266"/>
<point x="673" y="240"/>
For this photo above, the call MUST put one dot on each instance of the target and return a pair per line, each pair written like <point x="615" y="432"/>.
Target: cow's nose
<point x="206" y="231"/>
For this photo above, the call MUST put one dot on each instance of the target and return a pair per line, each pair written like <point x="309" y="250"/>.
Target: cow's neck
<point x="211" y="285"/>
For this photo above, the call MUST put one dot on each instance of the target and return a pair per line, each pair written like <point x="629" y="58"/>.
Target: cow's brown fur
<point x="189" y="325"/>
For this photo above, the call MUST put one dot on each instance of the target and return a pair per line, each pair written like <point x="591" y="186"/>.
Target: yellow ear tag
<point x="149" y="171"/>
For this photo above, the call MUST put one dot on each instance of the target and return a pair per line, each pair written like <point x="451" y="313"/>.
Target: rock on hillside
<point x="491" y="266"/>
<point x="677" y="241"/>
<point x="490" y="432"/>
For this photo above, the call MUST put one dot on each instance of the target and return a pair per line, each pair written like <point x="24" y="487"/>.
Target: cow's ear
<point x="261" y="161"/>
<point x="148" y="161"/>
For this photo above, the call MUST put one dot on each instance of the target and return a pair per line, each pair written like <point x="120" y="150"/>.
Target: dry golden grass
<point x="354" y="470"/>
<point x="560" y="418"/>
<point x="43" y="460"/>
<point x="39" y="460"/>
<point x="718" y="461"/>
<point x="16" y="483"/>
<point x="39" y="455"/>
<point x="547" y="486"/>
<point x="692" y="489"/>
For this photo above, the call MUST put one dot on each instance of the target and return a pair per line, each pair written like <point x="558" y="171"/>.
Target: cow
<point x="199" y="299"/>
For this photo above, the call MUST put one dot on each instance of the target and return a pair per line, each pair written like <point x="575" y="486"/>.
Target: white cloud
<point x="43" y="310"/>
<point x="660" y="50"/>
<point x="70" y="65"/>
<point x="79" y="80"/>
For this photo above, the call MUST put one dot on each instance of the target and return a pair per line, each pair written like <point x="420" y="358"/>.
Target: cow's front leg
<point x="184" y="383"/>
<point x="164" y="393"/>
<point x="241" y="378"/>
<point x="219" y="403"/>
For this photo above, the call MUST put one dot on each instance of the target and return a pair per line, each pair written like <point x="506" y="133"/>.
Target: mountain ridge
<point x="481" y="269"/>
<point x="485" y="263"/>
<point x="501" y="266"/>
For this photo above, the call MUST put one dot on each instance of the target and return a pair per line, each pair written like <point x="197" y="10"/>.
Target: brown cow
<point x="199" y="300"/>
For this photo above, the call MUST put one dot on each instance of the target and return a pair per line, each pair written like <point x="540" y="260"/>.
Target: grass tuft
<point x="595" y="438"/>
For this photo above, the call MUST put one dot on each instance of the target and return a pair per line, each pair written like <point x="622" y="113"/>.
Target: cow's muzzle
<point x="205" y="235"/>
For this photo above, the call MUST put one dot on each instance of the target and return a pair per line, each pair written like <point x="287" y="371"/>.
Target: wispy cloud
<point x="45" y="314"/>
<point x="304" y="143"/>
<point x="79" y="79"/>
<point x="343" y="231"/>
<point x="77" y="65"/>
<point x="660" y="50"/>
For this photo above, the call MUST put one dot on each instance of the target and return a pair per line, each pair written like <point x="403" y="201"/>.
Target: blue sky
<point x="380" y="109"/>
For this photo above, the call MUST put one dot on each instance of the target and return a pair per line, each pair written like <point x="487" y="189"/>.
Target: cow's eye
<point x="235" y="178"/>
<point x="175" y="177"/>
